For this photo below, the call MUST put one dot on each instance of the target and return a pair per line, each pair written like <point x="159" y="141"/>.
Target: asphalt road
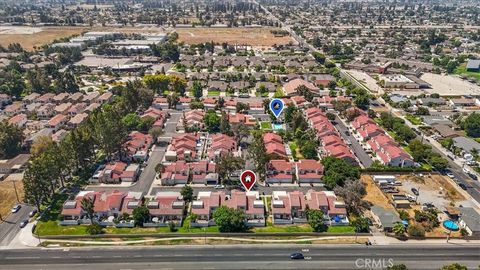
<point x="357" y="148"/>
<point x="260" y="189"/>
<point x="240" y="257"/>
<point x="11" y="226"/>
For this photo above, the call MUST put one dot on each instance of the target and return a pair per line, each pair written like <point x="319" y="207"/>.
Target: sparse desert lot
<point x="29" y="37"/>
<point x="240" y="36"/>
<point x="7" y="195"/>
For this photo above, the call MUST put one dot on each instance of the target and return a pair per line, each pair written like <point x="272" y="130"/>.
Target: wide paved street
<point x="239" y="257"/>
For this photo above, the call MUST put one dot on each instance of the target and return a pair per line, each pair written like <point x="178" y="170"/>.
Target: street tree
<point x="141" y="215"/>
<point x="229" y="219"/>
<point x="88" y="207"/>
<point x="187" y="193"/>
<point x="315" y="220"/>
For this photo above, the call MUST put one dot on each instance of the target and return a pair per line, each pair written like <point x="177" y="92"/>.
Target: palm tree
<point x="399" y="229"/>
<point x="87" y="207"/>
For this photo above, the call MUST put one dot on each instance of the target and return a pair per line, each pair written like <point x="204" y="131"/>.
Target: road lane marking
<point x="20" y="258"/>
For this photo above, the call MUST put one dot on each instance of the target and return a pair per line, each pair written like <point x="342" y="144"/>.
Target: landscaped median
<point x="52" y="229"/>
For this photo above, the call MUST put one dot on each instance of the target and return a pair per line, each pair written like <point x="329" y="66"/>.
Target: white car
<point x="16" y="208"/>
<point x="451" y="175"/>
<point x="219" y="187"/>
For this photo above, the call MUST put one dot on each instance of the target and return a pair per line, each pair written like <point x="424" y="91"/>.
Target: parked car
<point x="32" y="213"/>
<point x="463" y="186"/>
<point x="297" y="256"/>
<point x="415" y="191"/>
<point x="473" y="176"/>
<point x="16" y="208"/>
<point x="219" y="187"/>
<point x="23" y="223"/>
<point x="451" y="175"/>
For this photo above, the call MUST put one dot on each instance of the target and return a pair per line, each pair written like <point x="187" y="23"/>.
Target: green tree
<point x="197" y="89"/>
<point x="454" y="266"/>
<point x="242" y="107"/>
<point x="309" y="150"/>
<point x="178" y="85"/>
<point x="187" y="193"/>
<point x="225" y="124"/>
<point x="397" y="267"/>
<point x="212" y="121"/>
<point x="315" y="220"/>
<point x="352" y="192"/>
<point x="88" y="208"/>
<point x="240" y="132"/>
<point x="337" y="171"/>
<point x="158" y="82"/>
<point x="229" y="219"/>
<point x="258" y="153"/>
<point x="471" y="125"/>
<point x="361" y="225"/>
<point x="131" y="121"/>
<point x="141" y="215"/>
<point x="11" y="138"/>
<point x="399" y="229"/>
<point x="228" y="164"/>
<point x="172" y="100"/>
<point x="422" y="111"/>
<point x="94" y="229"/>
<point x="416" y="230"/>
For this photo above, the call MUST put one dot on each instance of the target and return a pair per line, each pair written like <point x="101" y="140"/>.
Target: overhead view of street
<point x="240" y="134"/>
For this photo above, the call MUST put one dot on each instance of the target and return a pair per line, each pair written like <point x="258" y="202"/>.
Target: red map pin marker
<point x="248" y="179"/>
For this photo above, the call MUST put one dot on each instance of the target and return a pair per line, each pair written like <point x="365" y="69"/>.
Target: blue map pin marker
<point x="276" y="106"/>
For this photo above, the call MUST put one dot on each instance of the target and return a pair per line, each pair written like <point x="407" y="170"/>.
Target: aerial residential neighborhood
<point x="243" y="134"/>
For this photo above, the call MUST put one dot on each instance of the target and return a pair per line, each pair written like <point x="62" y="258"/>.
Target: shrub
<point x="94" y="229"/>
<point x="416" y="230"/>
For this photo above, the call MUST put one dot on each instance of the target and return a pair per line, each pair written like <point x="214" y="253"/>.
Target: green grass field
<point x="462" y="71"/>
<point x="213" y="93"/>
<point x="413" y="119"/>
<point x="265" y="125"/>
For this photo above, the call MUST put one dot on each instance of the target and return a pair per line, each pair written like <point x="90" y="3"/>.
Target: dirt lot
<point x="29" y="37"/>
<point x="7" y="195"/>
<point x="374" y="195"/>
<point x="47" y="35"/>
<point x="241" y="36"/>
<point x="435" y="189"/>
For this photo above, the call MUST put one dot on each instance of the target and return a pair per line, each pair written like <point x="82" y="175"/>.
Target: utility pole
<point x="16" y="193"/>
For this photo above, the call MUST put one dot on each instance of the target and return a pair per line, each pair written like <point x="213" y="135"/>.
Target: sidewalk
<point x="24" y="239"/>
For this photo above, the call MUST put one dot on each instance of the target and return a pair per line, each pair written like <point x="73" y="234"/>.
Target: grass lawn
<point x="265" y="125"/>
<point x="261" y="94"/>
<point x="213" y="93"/>
<point x="283" y="229"/>
<point x="413" y="119"/>
<point x="295" y="151"/>
<point x="462" y="70"/>
<point x="301" y="228"/>
<point x="341" y="229"/>
<point x="52" y="228"/>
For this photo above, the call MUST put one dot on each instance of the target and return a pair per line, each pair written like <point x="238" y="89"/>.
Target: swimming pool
<point x="450" y="225"/>
<point x="277" y="126"/>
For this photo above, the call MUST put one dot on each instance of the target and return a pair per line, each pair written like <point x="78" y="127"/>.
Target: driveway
<point x="11" y="226"/>
<point x="355" y="146"/>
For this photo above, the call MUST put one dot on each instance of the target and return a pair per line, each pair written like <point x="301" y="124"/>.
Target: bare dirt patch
<point x="7" y="195"/>
<point x="240" y="36"/>
<point x="374" y="195"/>
<point x="47" y="35"/>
